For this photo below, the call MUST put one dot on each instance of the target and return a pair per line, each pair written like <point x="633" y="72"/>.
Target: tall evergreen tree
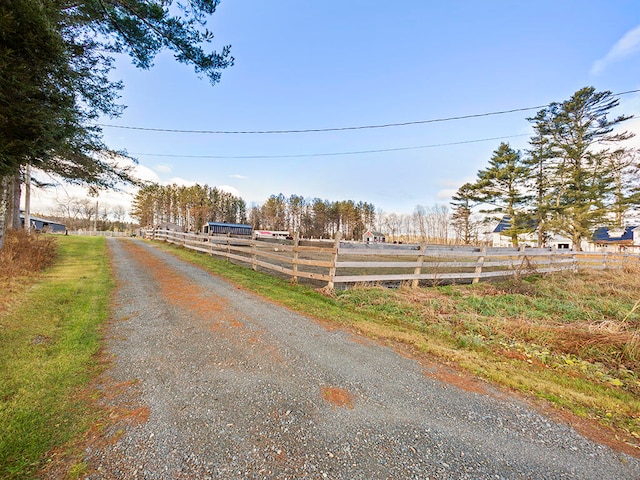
<point x="539" y="162"/>
<point x="501" y="187"/>
<point x="55" y="57"/>
<point x="626" y="185"/>
<point x="582" y="142"/>
<point x="461" y="218"/>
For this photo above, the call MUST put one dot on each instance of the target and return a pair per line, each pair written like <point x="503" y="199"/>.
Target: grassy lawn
<point x="49" y="336"/>
<point x="571" y="339"/>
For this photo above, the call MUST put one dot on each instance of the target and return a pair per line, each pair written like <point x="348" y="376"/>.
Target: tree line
<point x="191" y="207"/>
<point x="87" y="213"/>
<point x="187" y="207"/>
<point x="576" y="175"/>
<point x="314" y="217"/>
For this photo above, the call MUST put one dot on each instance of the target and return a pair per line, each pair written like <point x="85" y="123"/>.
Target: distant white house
<point x="607" y="239"/>
<point x="499" y="239"/>
<point x="604" y="239"/>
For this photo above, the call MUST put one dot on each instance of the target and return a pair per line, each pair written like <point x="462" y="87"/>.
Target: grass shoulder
<point x="49" y="337"/>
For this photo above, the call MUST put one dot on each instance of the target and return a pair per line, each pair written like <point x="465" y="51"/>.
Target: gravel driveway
<point x="209" y="381"/>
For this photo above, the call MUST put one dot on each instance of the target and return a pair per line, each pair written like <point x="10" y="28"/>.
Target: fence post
<point x="418" y="269"/>
<point x="296" y="241"/>
<point x="604" y="260"/>
<point x="574" y="257"/>
<point x="483" y="252"/>
<point x="523" y="262"/>
<point x="254" y="246"/>
<point x="228" y="247"/>
<point x="334" y="261"/>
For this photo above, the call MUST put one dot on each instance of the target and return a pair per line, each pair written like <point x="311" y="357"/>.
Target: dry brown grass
<point x="24" y="254"/>
<point x="22" y="258"/>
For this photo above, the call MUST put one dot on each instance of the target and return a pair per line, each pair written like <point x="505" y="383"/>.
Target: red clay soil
<point x="337" y="396"/>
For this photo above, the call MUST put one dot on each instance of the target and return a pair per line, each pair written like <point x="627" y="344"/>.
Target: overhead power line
<point x="312" y="130"/>
<point x="330" y="154"/>
<point x="336" y="129"/>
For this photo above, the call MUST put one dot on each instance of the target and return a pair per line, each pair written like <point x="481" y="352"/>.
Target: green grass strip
<point x="48" y="342"/>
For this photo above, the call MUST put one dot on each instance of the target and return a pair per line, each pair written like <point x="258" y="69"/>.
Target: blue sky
<point x="307" y="64"/>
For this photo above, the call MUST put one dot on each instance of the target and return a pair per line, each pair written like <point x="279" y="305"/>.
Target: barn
<point x="43" y="225"/>
<point x="222" y="228"/>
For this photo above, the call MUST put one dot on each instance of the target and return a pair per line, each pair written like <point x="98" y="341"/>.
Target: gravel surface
<point x="209" y="381"/>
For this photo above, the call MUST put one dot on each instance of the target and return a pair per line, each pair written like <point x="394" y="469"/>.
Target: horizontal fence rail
<point x="334" y="262"/>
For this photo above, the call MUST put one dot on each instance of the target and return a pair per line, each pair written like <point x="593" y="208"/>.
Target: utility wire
<point x="337" y="129"/>
<point x="331" y="154"/>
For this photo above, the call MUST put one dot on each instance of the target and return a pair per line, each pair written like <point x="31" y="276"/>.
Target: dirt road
<point x="209" y="381"/>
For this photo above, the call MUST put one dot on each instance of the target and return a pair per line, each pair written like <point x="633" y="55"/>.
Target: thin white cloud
<point x="162" y="168"/>
<point x="145" y="174"/>
<point x="446" y="194"/>
<point x="229" y="189"/>
<point x="181" y="182"/>
<point x="627" y="46"/>
<point x="239" y="177"/>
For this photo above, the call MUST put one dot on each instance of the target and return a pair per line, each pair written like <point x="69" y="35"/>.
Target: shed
<point x="43" y="225"/>
<point x="373" y="237"/>
<point x="222" y="228"/>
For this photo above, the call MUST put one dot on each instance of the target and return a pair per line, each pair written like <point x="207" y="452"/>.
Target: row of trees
<point x="576" y="175"/>
<point x="187" y="207"/>
<point x="424" y="225"/>
<point x="191" y="207"/>
<point x="313" y="218"/>
<point x="55" y="59"/>
<point x="87" y="213"/>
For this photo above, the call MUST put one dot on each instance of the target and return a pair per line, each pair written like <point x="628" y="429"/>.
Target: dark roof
<point x="602" y="234"/>
<point x="224" y="224"/>
<point x="43" y="220"/>
<point x="505" y="224"/>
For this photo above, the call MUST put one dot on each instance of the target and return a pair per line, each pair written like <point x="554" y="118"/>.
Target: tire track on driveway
<point x="237" y="387"/>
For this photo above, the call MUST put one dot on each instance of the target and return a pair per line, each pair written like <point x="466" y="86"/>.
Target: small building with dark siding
<point x="45" y="226"/>
<point x="222" y="228"/>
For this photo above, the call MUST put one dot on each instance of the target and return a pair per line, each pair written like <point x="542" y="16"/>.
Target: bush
<point x="25" y="255"/>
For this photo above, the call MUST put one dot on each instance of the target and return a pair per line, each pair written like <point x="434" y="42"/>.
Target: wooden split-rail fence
<point x="335" y="262"/>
